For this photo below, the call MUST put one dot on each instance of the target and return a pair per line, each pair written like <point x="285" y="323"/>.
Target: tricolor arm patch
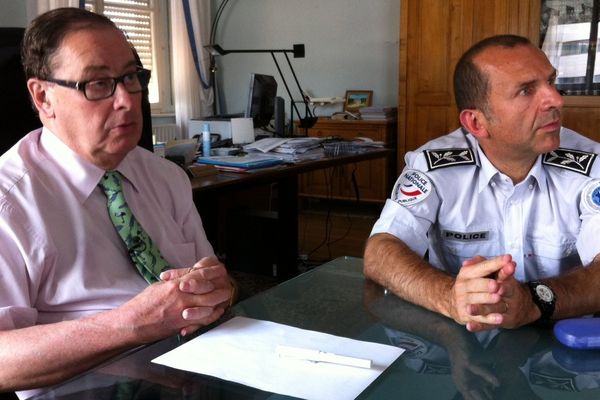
<point x="412" y="187"/>
<point x="441" y="158"/>
<point x="573" y="160"/>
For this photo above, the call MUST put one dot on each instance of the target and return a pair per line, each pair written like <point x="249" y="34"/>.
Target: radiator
<point x="164" y="133"/>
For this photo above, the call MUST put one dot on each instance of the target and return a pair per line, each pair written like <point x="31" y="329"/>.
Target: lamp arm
<point x="285" y="83"/>
<point x="310" y="114"/>
<point x="257" y="51"/>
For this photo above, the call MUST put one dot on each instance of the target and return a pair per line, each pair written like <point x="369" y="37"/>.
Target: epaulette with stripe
<point x="441" y="158"/>
<point x="573" y="160"/>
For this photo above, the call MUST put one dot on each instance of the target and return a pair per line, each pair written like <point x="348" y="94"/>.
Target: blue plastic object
<point x="579" y="333"/>
<point x="577" y="360"/>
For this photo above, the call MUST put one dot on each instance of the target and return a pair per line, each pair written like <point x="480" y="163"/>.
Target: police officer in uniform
<point x="496" y="224"/>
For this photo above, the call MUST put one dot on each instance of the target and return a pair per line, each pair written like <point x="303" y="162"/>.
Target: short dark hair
<point x="471" y="85"/>
<point x="45" y="34"/>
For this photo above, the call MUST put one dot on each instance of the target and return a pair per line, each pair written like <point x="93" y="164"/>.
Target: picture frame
<point x="356" y="99"/>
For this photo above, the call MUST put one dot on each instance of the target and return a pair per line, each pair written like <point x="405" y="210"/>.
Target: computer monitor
<point x="261" y="99"/>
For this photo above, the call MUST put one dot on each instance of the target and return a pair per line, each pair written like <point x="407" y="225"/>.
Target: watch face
<point x="544" y="293"/>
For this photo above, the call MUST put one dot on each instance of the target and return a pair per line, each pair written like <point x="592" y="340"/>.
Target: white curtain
<point x="37" y="7"/>
<point x="192" y="100"/>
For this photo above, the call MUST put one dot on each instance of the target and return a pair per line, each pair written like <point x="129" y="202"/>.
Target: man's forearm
<point x="42" y="355"/>
<point x="577" y="291"/>
<point x="392" y="264"/>
<point x="46" y="354"/>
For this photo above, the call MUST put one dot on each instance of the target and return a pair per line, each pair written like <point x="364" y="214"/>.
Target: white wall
<point x="13" y="14"/>
<point x="350" y="44"/>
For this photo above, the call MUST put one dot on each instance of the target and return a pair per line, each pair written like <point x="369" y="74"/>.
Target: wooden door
<point x="433" y="36"/>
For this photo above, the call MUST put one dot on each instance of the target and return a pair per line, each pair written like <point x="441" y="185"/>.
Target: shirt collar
<point x="126" y="168"/>
<point x="488" y="172"/>
<point x="539" y="173"/>
<point x="81" y="175"/>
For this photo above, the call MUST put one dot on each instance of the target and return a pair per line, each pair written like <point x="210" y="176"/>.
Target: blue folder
<point x="247" y="162"/>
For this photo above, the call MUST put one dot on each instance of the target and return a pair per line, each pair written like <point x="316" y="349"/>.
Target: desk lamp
<point x="298" y="51"/>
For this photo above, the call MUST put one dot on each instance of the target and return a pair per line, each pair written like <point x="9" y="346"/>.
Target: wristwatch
<point x="544" y="298"/>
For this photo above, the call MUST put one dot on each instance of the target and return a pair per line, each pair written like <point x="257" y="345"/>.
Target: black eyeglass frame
<point x="143" y="76"/>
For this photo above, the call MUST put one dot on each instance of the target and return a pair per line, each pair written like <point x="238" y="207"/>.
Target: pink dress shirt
<point x="60" y="256"/>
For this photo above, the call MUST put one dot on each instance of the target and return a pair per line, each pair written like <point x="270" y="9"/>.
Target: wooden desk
<point x="211" y="193"/>
<point x="374" y="178"/>
<point x="443" y="360"/>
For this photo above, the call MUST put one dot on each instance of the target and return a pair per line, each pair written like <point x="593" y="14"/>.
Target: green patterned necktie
<point x="144" y="254"/>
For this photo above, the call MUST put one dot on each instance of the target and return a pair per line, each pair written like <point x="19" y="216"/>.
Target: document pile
<point x="285" y="145"/>
<point x="333" y="148"/>
<point x="378" y="113"/>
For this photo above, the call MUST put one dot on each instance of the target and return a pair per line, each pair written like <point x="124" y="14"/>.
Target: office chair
<point x="17" y="115"/>
<point x="146" y="139"/>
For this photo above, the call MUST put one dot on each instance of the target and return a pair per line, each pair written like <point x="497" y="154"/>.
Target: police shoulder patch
<point x="441" y="158"/>
<point x="590" y="196"/>
<point x="573" y="160"/>
<point x="412" y="187"/>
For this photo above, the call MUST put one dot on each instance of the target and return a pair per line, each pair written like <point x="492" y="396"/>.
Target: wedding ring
<point x="505" y="308"/>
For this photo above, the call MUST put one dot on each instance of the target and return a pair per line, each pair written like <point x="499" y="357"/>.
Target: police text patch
<point x="466" y="236"/>
<point x="441" y="158"/>
<point x="412" y="187"/>
<point x="574" y="160"/>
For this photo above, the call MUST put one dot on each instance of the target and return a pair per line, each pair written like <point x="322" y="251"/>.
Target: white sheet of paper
<point x="242" y="350"/>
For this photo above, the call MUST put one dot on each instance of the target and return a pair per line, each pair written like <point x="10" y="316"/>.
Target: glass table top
<point x="442" y="361"/>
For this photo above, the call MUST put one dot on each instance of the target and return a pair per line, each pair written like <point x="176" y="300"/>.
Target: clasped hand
<point x="184" y="300"/>
<point x="486" y="295"/>
<point x="210" y="286"/>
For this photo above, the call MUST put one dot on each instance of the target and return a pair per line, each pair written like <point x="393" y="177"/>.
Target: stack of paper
<point x="298" y="145"/>
<point x="285" y="145"/>
<point x="378" y="113"/>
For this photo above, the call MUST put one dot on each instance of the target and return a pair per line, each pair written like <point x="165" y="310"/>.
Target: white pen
<point x="301" y="353"/>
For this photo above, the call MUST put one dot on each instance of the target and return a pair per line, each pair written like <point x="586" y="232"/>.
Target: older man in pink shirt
<point x="70" y="296"/>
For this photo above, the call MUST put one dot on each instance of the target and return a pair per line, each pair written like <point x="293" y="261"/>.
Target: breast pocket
<point x="458" y="245"/>
<point x="550" y="254"/>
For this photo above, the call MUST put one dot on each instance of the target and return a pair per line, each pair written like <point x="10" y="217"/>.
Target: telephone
<point x="345" y="115"/>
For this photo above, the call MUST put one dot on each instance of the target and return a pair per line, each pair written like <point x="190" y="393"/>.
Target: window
<point x="569" y="37"/>
<point x="145" y="22"/>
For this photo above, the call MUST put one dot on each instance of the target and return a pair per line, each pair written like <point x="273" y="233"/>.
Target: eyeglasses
<point x="98" y="89"/>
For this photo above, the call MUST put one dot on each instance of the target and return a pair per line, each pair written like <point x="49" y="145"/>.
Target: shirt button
<point x="530" y="186"/>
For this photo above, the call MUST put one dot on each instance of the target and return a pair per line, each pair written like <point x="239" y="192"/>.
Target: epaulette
<point x="573" y="160"/>
<point x="441" y="158"/>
